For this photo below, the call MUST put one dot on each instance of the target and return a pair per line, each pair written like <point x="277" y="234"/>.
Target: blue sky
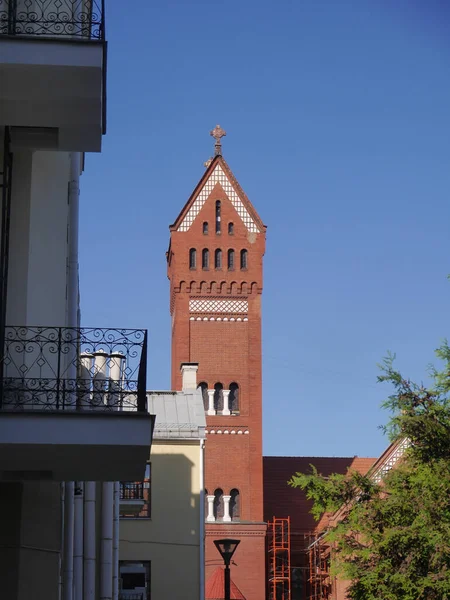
<point x="338" y="124"/>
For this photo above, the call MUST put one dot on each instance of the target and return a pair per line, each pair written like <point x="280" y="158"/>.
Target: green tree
<point x="392" y="539"/>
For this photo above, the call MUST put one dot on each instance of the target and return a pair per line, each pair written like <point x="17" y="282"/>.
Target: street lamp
<point x="227" y="548"/>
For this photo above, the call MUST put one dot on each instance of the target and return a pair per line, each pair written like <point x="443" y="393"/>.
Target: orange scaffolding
<point x="279" y="557"/>
<point x="319" y="568"/>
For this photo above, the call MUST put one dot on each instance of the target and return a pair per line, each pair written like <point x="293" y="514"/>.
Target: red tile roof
<point x="281" y="501"/>
<point x="215" y="587"/>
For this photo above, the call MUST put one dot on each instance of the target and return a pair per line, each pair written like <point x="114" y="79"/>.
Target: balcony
<point x="53" y="73"/>
<point x="73" y="404"/>
<point x="134" y="499"/>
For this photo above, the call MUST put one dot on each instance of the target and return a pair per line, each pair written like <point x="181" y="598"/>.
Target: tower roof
<point x="219" y="173"/>
<point x="215" y="587"/>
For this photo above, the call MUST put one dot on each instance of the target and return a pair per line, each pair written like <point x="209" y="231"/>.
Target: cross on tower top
<point x="218" y="133"/>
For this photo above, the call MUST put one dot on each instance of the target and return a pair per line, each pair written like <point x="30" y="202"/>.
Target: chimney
<point x="189" y="376"/>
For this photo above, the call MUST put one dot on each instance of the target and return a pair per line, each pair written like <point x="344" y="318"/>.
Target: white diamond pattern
<point x="218" y="306"/>
<point x="218" y="176"/>
<point x="391" y="461"/>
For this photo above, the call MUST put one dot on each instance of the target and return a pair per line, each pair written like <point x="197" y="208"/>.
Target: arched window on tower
<point x="218" y="208"/>
<point x="205" y="228"/>
<point x="230" y="228"/>
<point x="233" y="398"/>
<point x="230" y="260"/>
<point x="218" y="259"/>
<point x="192" y="258"/>
<point x="235" y="508"/>
<point x="218" y="397"/>
<point x="218" y="504"/>
<point x="206" y="502"/>
<point x="204" y="388"/>
<point x="244" y="259"/>
<point x="205" y="259"/>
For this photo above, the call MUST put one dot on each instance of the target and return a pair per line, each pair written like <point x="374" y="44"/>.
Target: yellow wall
<point x="170" y="539"/>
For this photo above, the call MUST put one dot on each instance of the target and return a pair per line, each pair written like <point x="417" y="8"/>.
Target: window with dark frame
<point x="230" y="260"/>
<point x="192" y="258"/>
<point x="135" y="580"/>
<point x="230" y="228"/>
<point x="218" y="209"/>
<point x="205" y="259"/>
<point x="205" y="228"/>
<point x="244" y="259"/>
<point x="218" y="259"/>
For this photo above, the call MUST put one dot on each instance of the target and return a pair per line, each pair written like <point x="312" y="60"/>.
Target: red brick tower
<point x="215" y="269"/>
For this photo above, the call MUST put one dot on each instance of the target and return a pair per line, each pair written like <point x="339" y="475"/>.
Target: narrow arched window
<point x="233" y="398"/>
<point x="205" y="228"/>
<point x="218" y="397"/>
<point x="218" y="208"/>
<point x="218" y="259"/>
<point x="244" y="259"/>
<point x="203" y="386"/>
<point x="235" y="509"/>
<point x="218" y="504"/>
<point x="230" y="228"/>
<point x="231" y="260"/>
<point x="192" y="258"/>
<point x="205" y="259"/>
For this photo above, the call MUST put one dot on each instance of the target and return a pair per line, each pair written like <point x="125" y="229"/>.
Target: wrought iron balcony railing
<point x="82" y="20"/>
<point x="64" y="368"/>
<point x="132" y="491"/>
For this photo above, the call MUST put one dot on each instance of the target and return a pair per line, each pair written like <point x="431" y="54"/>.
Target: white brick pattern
<point x="391" y="461"/>
<point x="218" y="306"/>
<point x="218" y="176"/>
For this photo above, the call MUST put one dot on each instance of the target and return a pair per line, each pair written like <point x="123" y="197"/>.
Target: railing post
<point x="142" y="378"/>
<point x="12" y="17"/>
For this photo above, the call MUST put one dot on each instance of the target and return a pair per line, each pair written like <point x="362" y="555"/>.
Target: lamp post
<point x="227" y="548"/>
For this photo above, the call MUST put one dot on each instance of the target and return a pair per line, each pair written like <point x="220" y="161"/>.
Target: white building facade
<point x="73" y="407"/>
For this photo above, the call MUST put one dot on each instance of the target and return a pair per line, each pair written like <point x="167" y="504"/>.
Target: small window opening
<point x="205" y="228"/>
<point x="230" y="228"/>
<point x="233" y="399"/>
<point x="235" y="509"/>
<point x="192" y="258"/>
<point x="244" y="259"/>
<point x="204" y="388"/>
<point x="218" y="397"/>
<point x="230" y="260"/>
<point x="218" y="504"/>
<point x="218" y="225"/>
<point x="218" y="259"/>
<point x="205" y="259"/>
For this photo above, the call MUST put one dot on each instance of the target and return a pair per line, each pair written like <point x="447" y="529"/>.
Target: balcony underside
<point x="56" y="86"/>
<point x="67" y="446"/>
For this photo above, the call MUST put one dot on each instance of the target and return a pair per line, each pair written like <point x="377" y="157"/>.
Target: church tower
<point x="215" y="267"/>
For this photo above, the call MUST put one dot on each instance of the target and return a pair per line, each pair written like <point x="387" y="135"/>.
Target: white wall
<point x="38" y="239"/>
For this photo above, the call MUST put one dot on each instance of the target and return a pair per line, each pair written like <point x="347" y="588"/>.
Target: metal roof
<point x="179" y="415"/>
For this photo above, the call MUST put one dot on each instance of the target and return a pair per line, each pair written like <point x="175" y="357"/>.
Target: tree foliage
<point x="391" y="540"/>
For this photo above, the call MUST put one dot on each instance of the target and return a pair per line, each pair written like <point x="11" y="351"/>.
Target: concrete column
<point x="226" y="410"/>
<point x="210" y="518"/>
<point x="226" y="509"/>
<point x="211" y="410"/>
<point x="89" y="541"/>
<point x="78" y="541"/>
<point x="189" y="376"/>
<point x="106" y="542"/>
